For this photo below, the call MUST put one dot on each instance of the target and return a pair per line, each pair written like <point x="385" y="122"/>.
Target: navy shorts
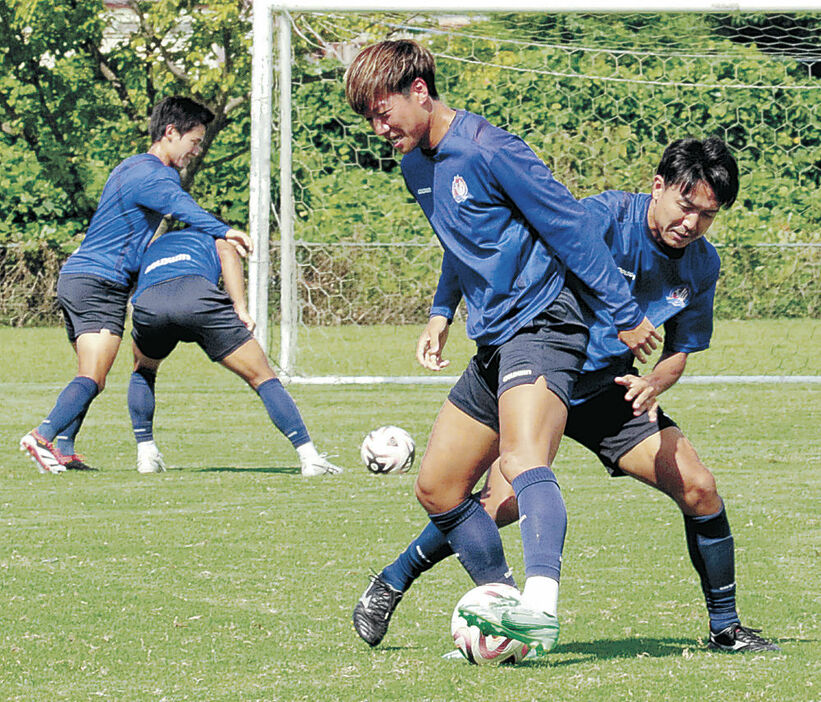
<point x="605" y="424"/>
<point x="188" y="308"/>
<point x="551" y="346"/>
<point x="91" y="304"/>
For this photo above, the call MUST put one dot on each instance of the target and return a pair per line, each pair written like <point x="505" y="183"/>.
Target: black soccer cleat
<point x="737" y="638"/>
<point x="76" y="462"/>
<point x="372" y="613"/>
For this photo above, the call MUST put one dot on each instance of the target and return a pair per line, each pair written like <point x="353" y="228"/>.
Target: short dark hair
<point x="386" y="68"/>
<point x="183" y="113"/>
<point x="686" y="162"/>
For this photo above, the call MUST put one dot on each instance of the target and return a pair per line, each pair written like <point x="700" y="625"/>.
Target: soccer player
<point x="510" y="232"/>
<point x="657" y="242"/>
<point x="177" y="299"/>
<point x="95" y="281"/>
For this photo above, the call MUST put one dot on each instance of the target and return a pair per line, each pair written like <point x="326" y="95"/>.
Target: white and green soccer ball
<point x="388" y="449"/>
<point x="472" y="643"/>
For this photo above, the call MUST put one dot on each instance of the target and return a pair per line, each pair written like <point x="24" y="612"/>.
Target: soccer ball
<point x="388" y="450"/>
<point x="472" y="643"/>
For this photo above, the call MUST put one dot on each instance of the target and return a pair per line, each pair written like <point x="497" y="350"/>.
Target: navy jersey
<point x="673" y="287"/>
<point x="178" y="253"/>
<point x="509" y="229"/>
<point x="138" y="193"/>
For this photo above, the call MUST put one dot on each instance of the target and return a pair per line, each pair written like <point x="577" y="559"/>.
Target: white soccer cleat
<point x="318" y="465"/>
<point x="42" y="453"/>
<point x="149" y="458"/>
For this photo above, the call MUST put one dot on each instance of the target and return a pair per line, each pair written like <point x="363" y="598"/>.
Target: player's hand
<point x="641" y="340"/>
<point x="240" y="241"/>
<point x="642" y="394"/>
<point x="431" y="344"/>
<point x="246" y="318"/>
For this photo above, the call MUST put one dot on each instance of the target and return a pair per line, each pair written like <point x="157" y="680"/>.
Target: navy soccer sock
<point x="283" y="412"/>
<point x="141" y="403"/>
<point x="424" y="552"/>
<point x="72" y="402"/>
<point x="712" y="552"/>
<point x="474" y="538"/>
<point x="64" y="441"/>
<point x="542" y="521"/>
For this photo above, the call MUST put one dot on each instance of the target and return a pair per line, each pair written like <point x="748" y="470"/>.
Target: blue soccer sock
<point x="542" y="521"/>
<point x="141" y="403"/>
<point x="283" y="412"/>
<point x="64" y="441"/>
<point x="424" y="552"/>
<point x="712" y="552"/>
<point x="72" y="402"/>
<point x="474" y="538"/>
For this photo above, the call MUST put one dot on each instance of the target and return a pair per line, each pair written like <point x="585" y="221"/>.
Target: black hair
<point x="686" y="162"/>
<point x="181" y="112"/>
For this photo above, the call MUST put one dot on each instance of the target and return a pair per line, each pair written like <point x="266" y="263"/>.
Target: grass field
<point x="233" y="578"/>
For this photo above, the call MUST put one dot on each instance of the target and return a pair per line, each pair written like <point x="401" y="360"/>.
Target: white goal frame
<point x="270" y="13"/>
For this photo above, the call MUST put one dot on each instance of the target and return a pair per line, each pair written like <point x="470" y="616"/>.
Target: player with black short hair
<point x="95" y="281"/>
<point x="510" y="234"/>
<point x="177" y="300"/>
<point x="657" y="242"/>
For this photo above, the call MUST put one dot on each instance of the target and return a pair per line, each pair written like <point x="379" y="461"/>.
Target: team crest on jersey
<point x="679" y="296"/>
<point x="459" y="189"/>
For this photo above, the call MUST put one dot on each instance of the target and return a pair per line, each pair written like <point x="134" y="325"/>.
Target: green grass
<point x="232" y="578"/>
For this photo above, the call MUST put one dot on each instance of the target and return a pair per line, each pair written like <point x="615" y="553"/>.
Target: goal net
<point x="351" y="263"/>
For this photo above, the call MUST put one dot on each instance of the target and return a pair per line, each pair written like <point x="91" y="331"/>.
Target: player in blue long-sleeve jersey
<point x="177" y="299"/>
<point x="95" y="281"/>
<point x="510" y="233"/>
<point x="656" y="240"/>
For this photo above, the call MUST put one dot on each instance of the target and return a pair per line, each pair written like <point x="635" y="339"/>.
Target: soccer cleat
<point x="505" y="617"/>
<point x="42" y="452"/>
<point x="373" y="612"/>
<point x="318" y="465"/>
<point x="739" y="638"/>
<point x="149" y="458"/>
<point x="75" y="462"/>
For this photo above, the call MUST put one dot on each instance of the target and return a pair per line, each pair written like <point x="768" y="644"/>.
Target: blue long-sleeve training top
<point x="509" y="231"/>
<point x="139" y="192"/>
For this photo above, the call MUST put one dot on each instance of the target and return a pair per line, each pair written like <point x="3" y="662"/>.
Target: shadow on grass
<point x="283" y="470"/>
<point x="610" y="649"/>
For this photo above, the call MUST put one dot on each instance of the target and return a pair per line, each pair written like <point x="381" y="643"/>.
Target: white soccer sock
<point x="307" y="452"/>
<point x="147" y="447"/>
<point x="542" y="594"/>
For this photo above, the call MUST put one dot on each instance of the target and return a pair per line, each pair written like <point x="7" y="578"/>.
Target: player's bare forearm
<point x="431" y="343"/>
<point x="242" y="243"/>
<point x="641" y="340"/>
<point x="643" y="391"/>
<point x="233" y="275"/>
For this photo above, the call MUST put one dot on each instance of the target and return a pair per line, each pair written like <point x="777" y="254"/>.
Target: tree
<point x="78" y="82"/>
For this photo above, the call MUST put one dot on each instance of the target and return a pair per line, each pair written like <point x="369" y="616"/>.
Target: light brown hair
<point x="386" y="68"/>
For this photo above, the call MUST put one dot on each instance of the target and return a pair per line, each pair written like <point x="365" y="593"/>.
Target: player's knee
<point x="700" y="493"/>
<point x="433" y="498"/>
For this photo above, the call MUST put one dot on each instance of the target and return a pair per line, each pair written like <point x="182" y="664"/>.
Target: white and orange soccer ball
<point x="388" y="449"/>
<point x="472" y="643"/>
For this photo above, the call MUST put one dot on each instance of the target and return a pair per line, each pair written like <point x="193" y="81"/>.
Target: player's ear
<point x="419" y="90"/>
<point x="170" y="131"/>
<point x="658" y="186"/>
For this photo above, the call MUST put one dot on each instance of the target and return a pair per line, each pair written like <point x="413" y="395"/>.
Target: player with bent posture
<point x="96" y="280"/>
<point x="657" y="243"/>
<point x="509" y="232"/>
<point x="177" y="299"/>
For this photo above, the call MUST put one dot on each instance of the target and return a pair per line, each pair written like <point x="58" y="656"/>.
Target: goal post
<point x="296" y="299"/>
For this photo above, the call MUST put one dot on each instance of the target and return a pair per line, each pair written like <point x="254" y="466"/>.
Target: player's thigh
<point x="459" y="452"/>
<point x="531" y="423"/>
<point x="96" y="352"/>
<point x="250" y="363"/>
<point x="668" y="461"/>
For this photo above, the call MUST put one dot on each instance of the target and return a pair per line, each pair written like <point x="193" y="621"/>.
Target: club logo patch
<point x="459" y="189"/>
<point x="679" y="296"/>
